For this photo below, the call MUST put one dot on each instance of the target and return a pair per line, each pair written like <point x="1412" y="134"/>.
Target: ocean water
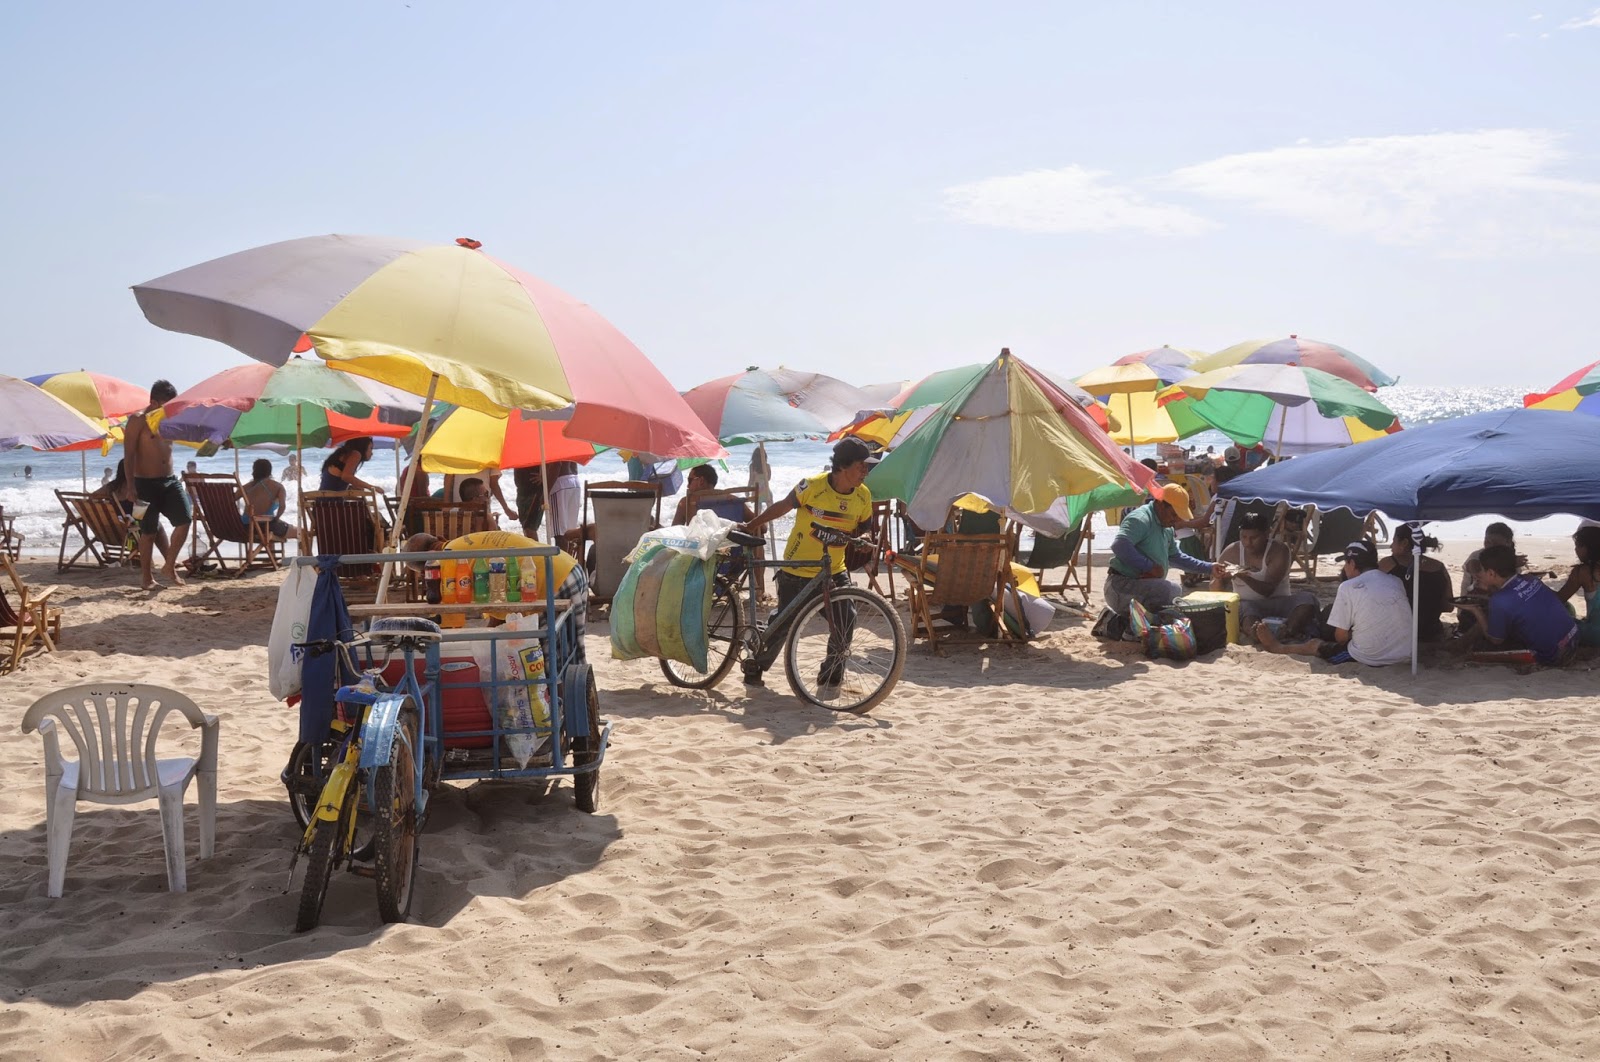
<point x="38" y="514"/>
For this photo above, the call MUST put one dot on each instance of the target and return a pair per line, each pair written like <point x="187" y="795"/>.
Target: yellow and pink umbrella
<point x="1576" y="392"/>
<point x="1294" y="350"/>
<point x="103" y="399"/>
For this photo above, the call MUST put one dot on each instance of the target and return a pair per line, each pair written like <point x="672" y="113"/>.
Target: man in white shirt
<point x="1370" y="622"/>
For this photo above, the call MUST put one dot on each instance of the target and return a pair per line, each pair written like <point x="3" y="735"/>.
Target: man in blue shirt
<point x="1143" y="549"/>
<point x="1523" y="613"/>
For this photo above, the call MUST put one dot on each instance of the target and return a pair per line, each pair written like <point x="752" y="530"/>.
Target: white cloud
<point x="1462" y="194"/>
<point x="1591" y="21"/>
<point x="1070" y="199"/>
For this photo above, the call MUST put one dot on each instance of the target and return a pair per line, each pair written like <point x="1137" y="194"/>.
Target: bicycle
<point x="843" y="647"/>
<point x="372" y="765"/>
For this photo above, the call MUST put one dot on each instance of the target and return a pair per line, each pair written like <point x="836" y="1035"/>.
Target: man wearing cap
<point x="838" y="501"/>
<point x="1143" y="549"/>
<point x="1370" y="621"/>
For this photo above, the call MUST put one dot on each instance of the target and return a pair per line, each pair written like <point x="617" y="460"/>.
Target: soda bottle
<point x="480" y="580"/>
<point x="447" y="582"/>
<point x="497" y="580"/>
<point x="432" y="592"/>
<point x="513" y="579"/>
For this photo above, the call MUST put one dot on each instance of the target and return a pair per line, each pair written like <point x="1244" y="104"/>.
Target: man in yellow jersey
<point x="571" y="581"/>
<point x="838" y="501"/>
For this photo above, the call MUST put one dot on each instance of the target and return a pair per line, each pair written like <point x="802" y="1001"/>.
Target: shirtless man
<point x="150" y="463"/>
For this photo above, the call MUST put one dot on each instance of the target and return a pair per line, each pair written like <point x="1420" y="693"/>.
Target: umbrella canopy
<point x="1517" y="463"/>
<point x="878" y="395"/>
<point x="95" y="395"/>
<point x="1128" y="387"/>
<point x="301" y="401"/>
<point x="447" y="321"/>
<point x="1577" y="392"/>
<point x="770" y="405"/>
<point x="937" y="388"/>
<point x="1311" y="353"/>
<point x="32" y="416"/>
<point x="469" y="441"/>
<point x="1240" y="401"/>
<point x="1011" y="435"/>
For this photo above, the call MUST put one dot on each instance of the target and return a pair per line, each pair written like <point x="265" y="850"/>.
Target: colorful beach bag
<point x="1174" y="640"/>
<point x="662" y="606"/>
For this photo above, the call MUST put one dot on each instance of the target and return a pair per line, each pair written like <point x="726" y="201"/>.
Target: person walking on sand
<point x="150" y="461"/>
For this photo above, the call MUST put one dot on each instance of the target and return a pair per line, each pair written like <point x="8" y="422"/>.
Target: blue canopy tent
<point x="1521" y="464"/>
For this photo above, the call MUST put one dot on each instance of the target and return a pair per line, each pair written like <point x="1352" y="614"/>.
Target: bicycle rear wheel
<point x="586" y="750"/>
<point x="846" y="653"/>
<point x="308" y="769"/>
<point x="326" y="852"/>
<point x="394" y="821"/>
<point x="725" y="631"/>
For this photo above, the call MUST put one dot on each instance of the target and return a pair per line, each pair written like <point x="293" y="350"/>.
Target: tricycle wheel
<point x="394" y="822"/>
<point x="724" y="634"/>
<point x="586" y="750"/>
<point x="326" y="852"/>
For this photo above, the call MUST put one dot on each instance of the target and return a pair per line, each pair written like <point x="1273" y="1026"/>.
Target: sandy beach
<point x="1054" y="850"/>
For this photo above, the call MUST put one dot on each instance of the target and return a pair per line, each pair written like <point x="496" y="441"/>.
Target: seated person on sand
<point x="1585" y="577"/>
<point x="266" y="500"/>
<point x="572" y="583"/>
<point x="1370" y="621"/>
<point x="703" y="478"/>
<point x="1496" y="534"/>
<point x="1523" y="613"/>
<point x="1145" y="547"/>
<point x="1402" y="563"/>
<point x="1261" y="579"/>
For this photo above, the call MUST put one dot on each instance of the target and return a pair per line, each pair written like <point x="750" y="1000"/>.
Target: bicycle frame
<point x="768" y="636"/>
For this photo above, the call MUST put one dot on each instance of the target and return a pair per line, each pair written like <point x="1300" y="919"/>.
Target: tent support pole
<point x="1416" y="597"/>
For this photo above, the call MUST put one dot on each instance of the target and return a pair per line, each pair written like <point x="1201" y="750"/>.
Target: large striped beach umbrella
<point x="1293" y="350"/>
<point x="105" y="400"/>
<point x="772" y="405"/>
<point x="1010" y="435"/>
<point x="32" y="416"/>
<point x="1576" y="392"/>
<point x="299" y="403"/>
<point x="1128" y="388"/>
<point x="445" y="321"/>
<point x="1245" y="403"/>
<point x="469" y="441"/>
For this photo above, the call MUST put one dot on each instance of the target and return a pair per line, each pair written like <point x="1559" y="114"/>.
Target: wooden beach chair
<point x="959" y="570"/>
<point x="10" y="537"/>
<point x="107" y="533"/>
<point x="29" y="619"/>
<point x="615" y="514"/>
<point x="346" y="521"/>
<point x="448" y="519"/>
<point x="223" y="510"/>
<point x="1298" y="527"/>
<point x="1072" y="552"/>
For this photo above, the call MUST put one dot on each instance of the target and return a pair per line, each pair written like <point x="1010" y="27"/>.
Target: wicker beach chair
<point x="30" y="619"/>
<point x="448" y="519"/>
<point x="346" y="521"/>
<point x="959" y="570"/>
<point x="223" y="510"/>
<point x="615" y="514"/>
<point x="107" y="533"/>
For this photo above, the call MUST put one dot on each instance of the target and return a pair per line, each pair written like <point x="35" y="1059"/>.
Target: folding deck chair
<point x="106" y="531"/>
<point x="448" y="519"/>
<point x="31" y="619"/>
<point x="1072" y="552"/>
<point x="961" y="570"/>
<point x="615" y="514"/>
<point x="223" y="510"/>
<point x="10" y="537"/>
<point x="346" y="521"/>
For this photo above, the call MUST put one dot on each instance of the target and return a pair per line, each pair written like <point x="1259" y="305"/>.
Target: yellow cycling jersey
<point x="819" y="505"/>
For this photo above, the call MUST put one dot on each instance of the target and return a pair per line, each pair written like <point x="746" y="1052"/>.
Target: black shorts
<point x="1335" y="652"/>
<point x="163" y="496"/>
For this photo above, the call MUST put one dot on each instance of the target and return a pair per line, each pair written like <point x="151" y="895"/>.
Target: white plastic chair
<point x="114" y="726"/>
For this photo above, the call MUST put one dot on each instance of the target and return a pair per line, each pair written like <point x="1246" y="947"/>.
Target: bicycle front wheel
<point x="394" y="821"/>
<point x="845" y="653"/>
<point x="725" y="633"/>
<point x="326" y="852"/>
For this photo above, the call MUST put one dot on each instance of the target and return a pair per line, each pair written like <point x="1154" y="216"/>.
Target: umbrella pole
<point x="405" y="490"/>
<point x="1283" y="415"/>
<point x="299" y="502"/>
<point x="544" y="485"/>
<point x="83" y="469"/>
<point x="1416" y="598"/>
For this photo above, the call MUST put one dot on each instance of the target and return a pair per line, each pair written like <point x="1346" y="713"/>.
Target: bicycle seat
<point x="744" y="538"/>
<point x="405" y="627"/>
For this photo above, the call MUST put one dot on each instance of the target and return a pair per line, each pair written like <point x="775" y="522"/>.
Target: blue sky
<point x="875" y="190"/>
